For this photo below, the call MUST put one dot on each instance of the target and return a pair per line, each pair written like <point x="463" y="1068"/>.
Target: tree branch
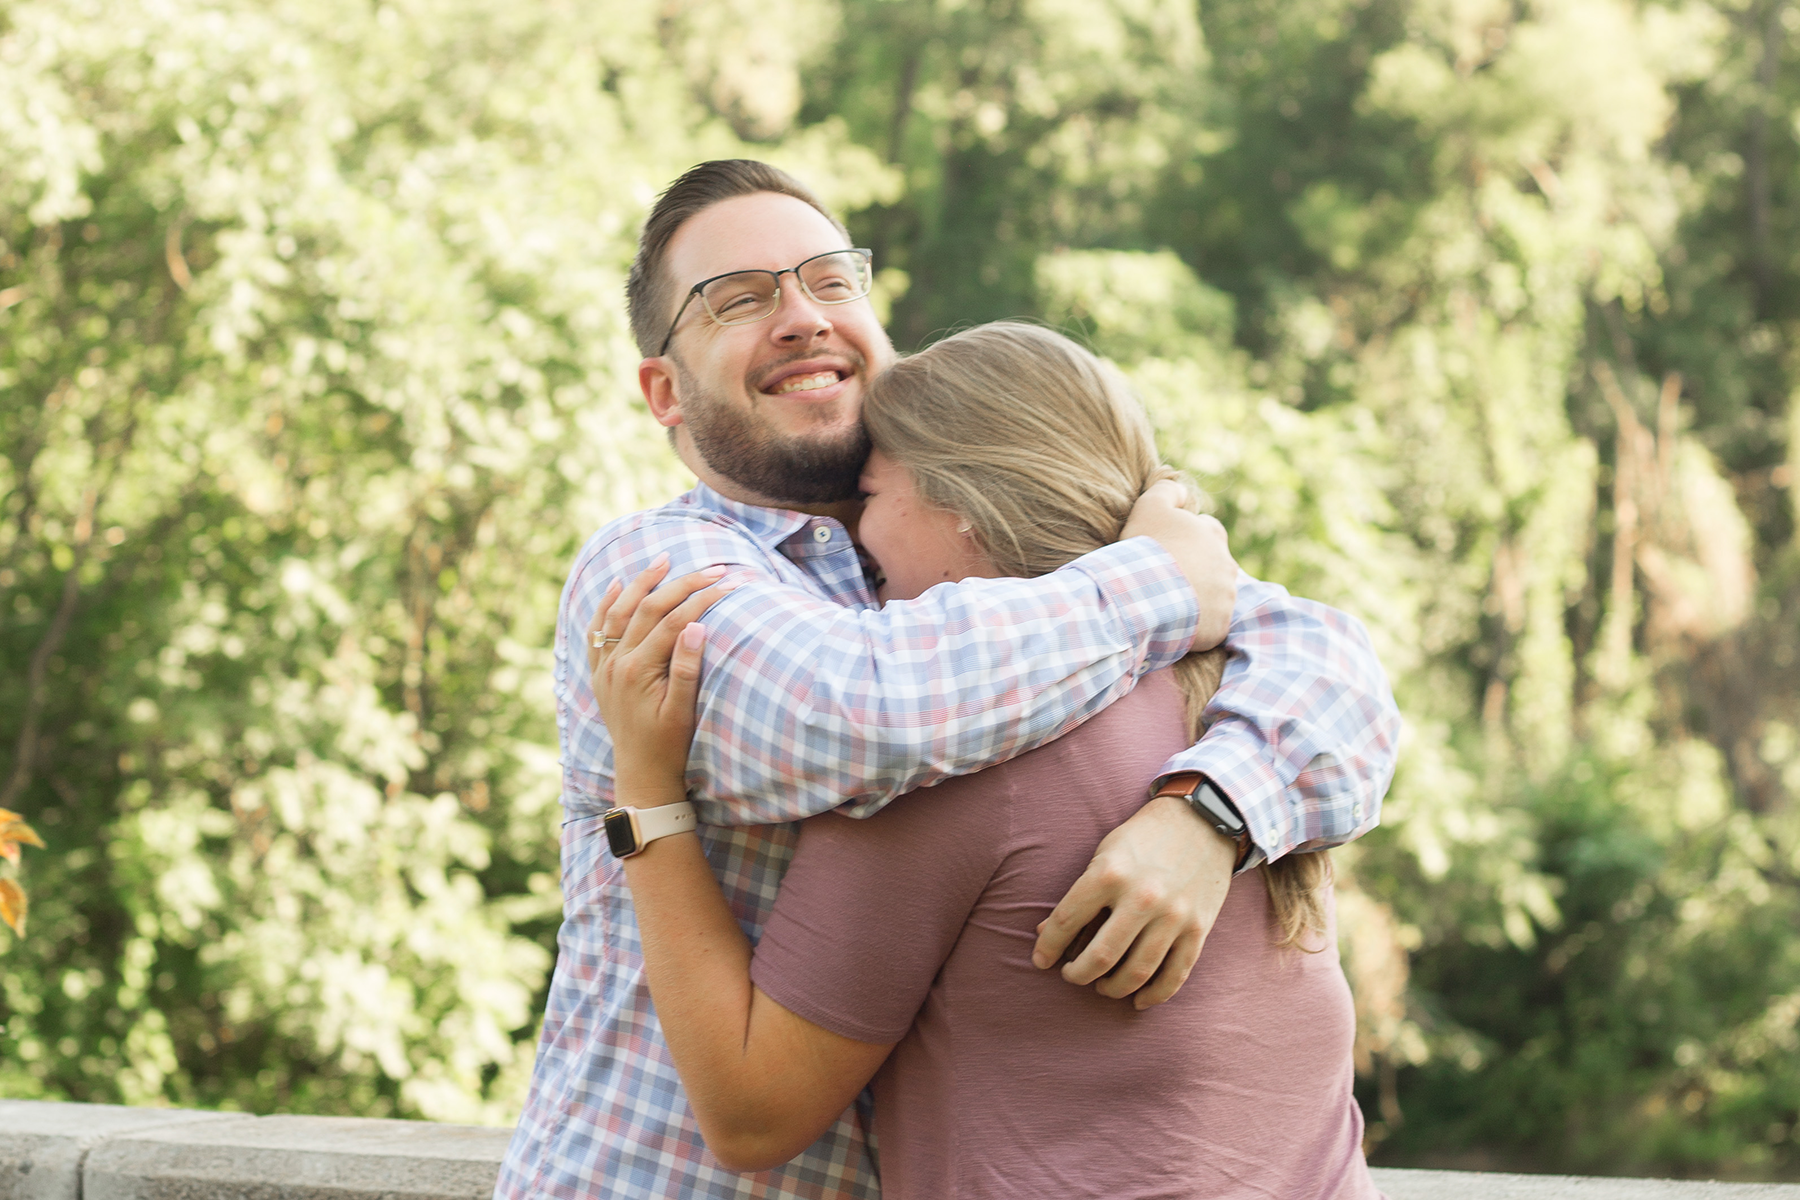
<point x="1756" y="160"/>
<point x="1615" y="652"/>
<point x="26" y="750"/>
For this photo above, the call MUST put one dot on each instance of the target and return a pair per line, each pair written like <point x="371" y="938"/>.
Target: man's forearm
<point x="861" y="706"/>
<point x="1303" y="730"/>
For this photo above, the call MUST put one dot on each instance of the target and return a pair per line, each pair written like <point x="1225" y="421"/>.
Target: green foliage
<point x="1463" y="313"/>
<point x="1655" y="1024"/>
<point x="1476" y="318"/>
<point x="315" y="377"/>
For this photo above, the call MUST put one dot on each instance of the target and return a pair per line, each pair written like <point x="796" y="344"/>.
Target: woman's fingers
<point x="622" y="605"/>
<point x="646" y="684"/>
<point x="598" y="624"/>
<point x="626" y="605"/>
<point x="684" y="669"/>
<point x="658" y="604"/>
<point x="645" y="667"/>
<point x="655" y="649"/>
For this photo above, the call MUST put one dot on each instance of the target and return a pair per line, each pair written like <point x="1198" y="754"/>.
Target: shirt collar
<point x="769" y="526"/>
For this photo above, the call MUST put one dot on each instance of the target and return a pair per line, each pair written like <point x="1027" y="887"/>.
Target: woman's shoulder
<point x="1118" y="750"/>
<point x="1152" y="716"/>
<point x="1125" y="743"/>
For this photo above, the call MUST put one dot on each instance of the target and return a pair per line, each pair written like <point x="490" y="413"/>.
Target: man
<point x="750" y="308"/>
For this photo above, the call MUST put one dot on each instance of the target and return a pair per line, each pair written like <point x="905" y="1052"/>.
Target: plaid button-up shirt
<point x="812" y="698"/>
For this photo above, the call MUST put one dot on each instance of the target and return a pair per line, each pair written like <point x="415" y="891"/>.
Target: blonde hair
<point x="1042" y="449"/>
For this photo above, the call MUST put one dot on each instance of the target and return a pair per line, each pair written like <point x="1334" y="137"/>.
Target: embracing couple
<point x="918" y="840"/>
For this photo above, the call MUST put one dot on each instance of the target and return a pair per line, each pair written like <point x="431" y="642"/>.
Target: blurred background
<point x="1476" y="317"/>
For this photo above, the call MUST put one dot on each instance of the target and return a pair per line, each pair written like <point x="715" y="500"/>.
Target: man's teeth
<point x="804" y="383"/>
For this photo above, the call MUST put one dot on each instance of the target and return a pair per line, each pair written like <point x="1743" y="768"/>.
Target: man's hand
<point x="1164" y="875"/>
<point x="1199" y="546"/>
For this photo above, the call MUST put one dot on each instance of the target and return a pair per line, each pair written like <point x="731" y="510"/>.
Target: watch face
<point x="621" y="833"/>
<point x="1217" y="809"/>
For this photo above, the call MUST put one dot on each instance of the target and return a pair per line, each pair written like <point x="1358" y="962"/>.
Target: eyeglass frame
<point x="699" y="289"/>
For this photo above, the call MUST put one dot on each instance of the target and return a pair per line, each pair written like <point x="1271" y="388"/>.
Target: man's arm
<point x="1303" y="731"/>
<point x="806" y="704"/>
<point x="1301" y="739"/>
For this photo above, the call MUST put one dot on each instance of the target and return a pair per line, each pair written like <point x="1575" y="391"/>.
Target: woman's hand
<point x="644" y="652"/>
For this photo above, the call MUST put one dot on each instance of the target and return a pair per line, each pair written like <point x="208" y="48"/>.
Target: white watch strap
<point x="663" y="820"/>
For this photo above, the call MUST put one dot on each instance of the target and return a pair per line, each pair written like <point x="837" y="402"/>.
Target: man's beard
<point x="737" y="444"/>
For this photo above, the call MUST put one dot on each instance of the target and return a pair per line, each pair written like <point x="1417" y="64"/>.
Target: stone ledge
<point x="290" y="1158"/>
<point x="1481" y="1185"/>
<point x="52" y="1151"/>
<point x="44" y="1147"/>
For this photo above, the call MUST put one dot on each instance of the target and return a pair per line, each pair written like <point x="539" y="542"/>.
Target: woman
<point x="900" y="946"/>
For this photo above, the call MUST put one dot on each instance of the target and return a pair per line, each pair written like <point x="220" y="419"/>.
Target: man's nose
<point x="799" y="318"/>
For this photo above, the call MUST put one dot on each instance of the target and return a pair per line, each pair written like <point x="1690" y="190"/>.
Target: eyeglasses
<point x="740" y="297"/>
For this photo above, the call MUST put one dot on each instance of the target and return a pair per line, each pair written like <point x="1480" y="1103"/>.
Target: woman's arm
<point x="764" y="1083"/>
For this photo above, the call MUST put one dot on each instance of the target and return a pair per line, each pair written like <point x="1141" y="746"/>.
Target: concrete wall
<point x="101" y="1152"/>
<point x="1469" y="1185"/>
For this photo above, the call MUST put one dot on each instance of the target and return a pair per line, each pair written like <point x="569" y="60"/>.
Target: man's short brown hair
<point x="648" y="292"/>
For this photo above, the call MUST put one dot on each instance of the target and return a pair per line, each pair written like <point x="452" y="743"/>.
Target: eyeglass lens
<point x="751" y="295"/>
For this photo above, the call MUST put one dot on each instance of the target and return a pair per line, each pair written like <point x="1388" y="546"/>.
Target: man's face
<point x="774" y="405"/>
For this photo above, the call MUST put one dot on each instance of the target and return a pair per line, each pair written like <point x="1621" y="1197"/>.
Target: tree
<point x="315" y="377"/>
<point x="1476" y="319"/>
<point x="1447" y="304"/>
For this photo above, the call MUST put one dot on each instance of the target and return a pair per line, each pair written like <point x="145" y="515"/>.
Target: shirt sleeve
<point x="1303" y="730"/>
<point x="870" y="910"/>
<point x="807" y="705"/>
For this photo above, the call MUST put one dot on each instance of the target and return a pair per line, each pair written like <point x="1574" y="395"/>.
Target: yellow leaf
<point x="13" y="905"/>
<point x="13" y="830"/>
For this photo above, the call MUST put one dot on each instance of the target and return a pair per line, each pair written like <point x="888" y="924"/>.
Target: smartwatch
<point x="629" y="830"/>
<point x="1212" y="806"/>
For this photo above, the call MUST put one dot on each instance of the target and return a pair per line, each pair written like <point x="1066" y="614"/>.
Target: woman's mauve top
<point x="916" y="925"/>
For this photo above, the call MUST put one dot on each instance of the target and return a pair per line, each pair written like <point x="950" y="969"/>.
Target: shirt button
<point x="821" y="533"/>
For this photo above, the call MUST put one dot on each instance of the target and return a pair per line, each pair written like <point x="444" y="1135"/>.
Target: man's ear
<point x="656" y="377"/>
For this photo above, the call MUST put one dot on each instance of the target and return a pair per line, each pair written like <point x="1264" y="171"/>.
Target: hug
<point x="945" y="814"/>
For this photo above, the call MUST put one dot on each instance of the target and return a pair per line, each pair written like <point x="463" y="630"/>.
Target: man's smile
<point x="818" y="378"/>
<point x="804" y="383"/>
